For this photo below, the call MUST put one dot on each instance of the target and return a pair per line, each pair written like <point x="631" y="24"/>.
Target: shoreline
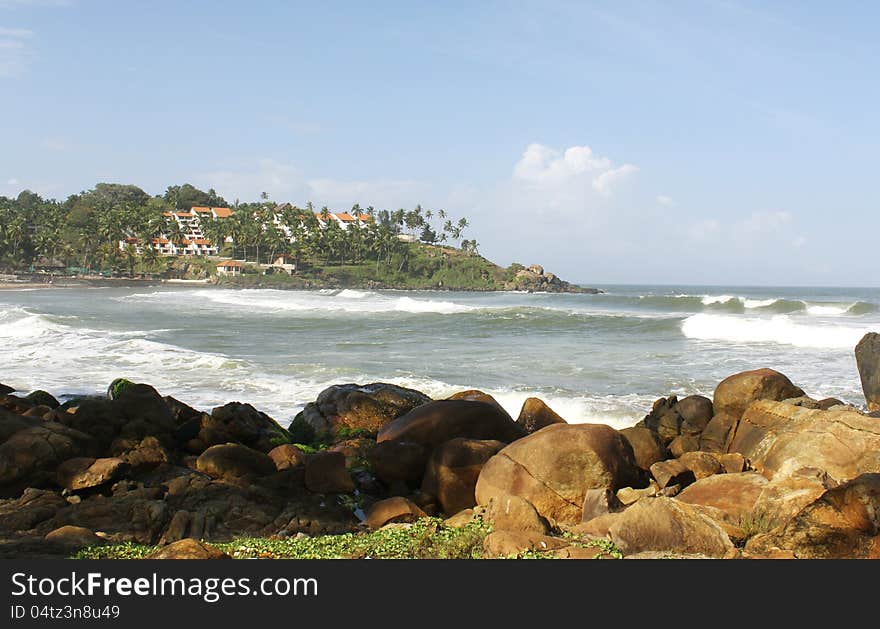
<point x="380" y="470"/>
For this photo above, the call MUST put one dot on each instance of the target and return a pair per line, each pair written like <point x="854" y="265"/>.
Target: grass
<point x="755" y="523"/>
<point x="426" y="539"/>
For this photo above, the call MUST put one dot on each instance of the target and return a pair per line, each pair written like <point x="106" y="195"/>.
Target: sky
<point x="666" y="142"/>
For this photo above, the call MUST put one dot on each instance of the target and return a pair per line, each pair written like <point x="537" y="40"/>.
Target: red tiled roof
<point x="345" y="217"/>
<point x="160" y="241"/>
<point x="230" y="264"/>
<point x="365" y="217"/>
<point x="222" y="212"/>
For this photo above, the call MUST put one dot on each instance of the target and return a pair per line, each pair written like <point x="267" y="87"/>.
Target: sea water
<point x="592" y="358"/>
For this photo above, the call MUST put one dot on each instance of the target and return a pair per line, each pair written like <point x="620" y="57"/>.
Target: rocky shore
<point x="761" y="470"/>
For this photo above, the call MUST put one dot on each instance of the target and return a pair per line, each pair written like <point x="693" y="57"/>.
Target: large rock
<point x="505" y="543"/>
<point x="395" y="509"/>
<point x="242" y="423"/>
<point x="233" y="461"/>
<point x="868" y="361"/>
<point x="664" y="420"/>
<point x="695" y="412"/>
<point x="399" y="461"/>
<point x="672" y="472"/>
<point x="29" y="510"/>
<point x="188" y="549"/>
<point x="512" y="513"/>
<point x="5" y="389"/>
<point x="452" y="471"/>
<point x="73" y="537"/>
<point x="555" y="467"/>
<point x="287" y="456"/>
<point x="85" y="472"/>
<point x="843" y="523"/>
<point x="29" y="457"/>
<point x="326" y="473"/>
<point x="783" y="498"/>
<point x="702" y="464"/>
<point x="735" y="393"/>
<point x="535" y="414"/>
<point x="733" y="494"/>
<point x="646" y="446"/>
<point x="780" y="439"/>
<point x="42" y="398"/>
<point x="433" y="423"/>
<point x="666" y="524"/>
<point x="475" y="395"/>
<point x="356" y="408"/>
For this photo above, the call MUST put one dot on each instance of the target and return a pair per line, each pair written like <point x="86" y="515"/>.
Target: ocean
<point x="593" y="358"/>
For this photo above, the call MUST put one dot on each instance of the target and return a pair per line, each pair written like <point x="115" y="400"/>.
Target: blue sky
<point x="724" y="142"/>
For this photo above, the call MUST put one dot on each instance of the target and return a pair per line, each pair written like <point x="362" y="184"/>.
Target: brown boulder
<point x="452" y="471"/>
<point x="672" y="472"/>
<point x="396" y="509"/>
<point x="535" y="414"/>
<point x="868" y="362"/>
<point x="141" y="455"/>
<point x="29" y="510"/>
<point x="287" y="456"/>
<point x="695" y="412"/>
<point x="779" y="439"/>
<point x="666" y="524"/>
<point x="783" y="498"/>
<point x="73" y="537"/>
<point x="85" y="472"/>
<point x="844" y="523"/>
<point x="733" y="494"/>
<point x="188" y="549"/>
<point x="326" y="474"/>
<point x="475" y="395"/>
<point x="735" y="393"/>
<point x="683" y="444"/>
<point x="399" y="461"/>
<point x="241" y="423"/>
<point x="232" y="461"/>
<point x="512" y="513"/>
<point x="502" y="544"/>
<point x="433" y="423"/>
<point x="28" y="458"/>
<point x="702" y="464"/>
<point x="554" y="467"/>
<point x="360" y="408"/>
<point x="646" y="446"/>
<point x="718" y="433"/>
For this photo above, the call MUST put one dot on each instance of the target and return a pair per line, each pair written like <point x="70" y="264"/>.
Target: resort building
<point x="230" y="267"/>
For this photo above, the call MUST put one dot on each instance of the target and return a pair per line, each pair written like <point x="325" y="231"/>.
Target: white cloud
<point x="665" y="201"/>
<point x="546" y="167"/>
<point x="12" y="182"/>
<point x="704" y="230"/>
<point x="17" y="33"/>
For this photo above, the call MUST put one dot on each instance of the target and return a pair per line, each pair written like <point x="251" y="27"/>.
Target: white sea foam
<point x="828" y="311"/>
<point x="708" y="300"/>
<point x="780" y="329"/>
<point x="758" y="303"/>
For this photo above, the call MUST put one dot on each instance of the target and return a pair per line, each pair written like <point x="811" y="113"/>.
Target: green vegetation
<point x="428" y="538"/>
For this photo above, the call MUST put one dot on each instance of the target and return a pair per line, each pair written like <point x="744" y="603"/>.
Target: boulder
<point x="843" y="523"/>
<point x="672" y="472"/>
<point x="182" y="413"/>
<point x="360" y="408"/>
<point x="735" y="393"/>
<point x="28" y="458"/>
<point x="85" y="472"/>
<point x="326" y="473"/>
<point x="11" y="423"/>
<point x="287" y="456"/>
<point x="668" y="525"/>
<point x="683" y="444"/>
<point x="242" y="423"/>
<point x="73" y="537"/>
<point x="779" y="439"/>
<point x="396" y="509"/>
<point x="627" y="495"/>
<point x="29" y="510"/>
<point x="5" y="389"/>
<point x="460" y="519"/>
<point x="501" y="544"/>
<point x="356" y="451"/>
<point x="718" y="433"/>
<point x="512" y="513"/>
<point x="433" y="423"/>
<point x="783" y="498"/>
<point x="664" y="420"/>
<point x="695" y="412"/>
<point x="41" y="398"/>
<point x="535" y="414"/>
<point x="733" y="494"/>
<point x="475" y="395"/>
<point x="188" y="549"/>
<point x="452" y="471"/>
<point x="868" y="362"/>
<point x="732" y="462"/>
<point x="137" y="515"/>
<point x="399" y="461"/>
<point x="43" y="412"/>
<point x="117" y="386"/>
<point x="555" y="467"/>
<point x="646" y="446"/>
<point x="599" y="502"/>
<point x="702" y="464"/>
<point x="233" y="461"/>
